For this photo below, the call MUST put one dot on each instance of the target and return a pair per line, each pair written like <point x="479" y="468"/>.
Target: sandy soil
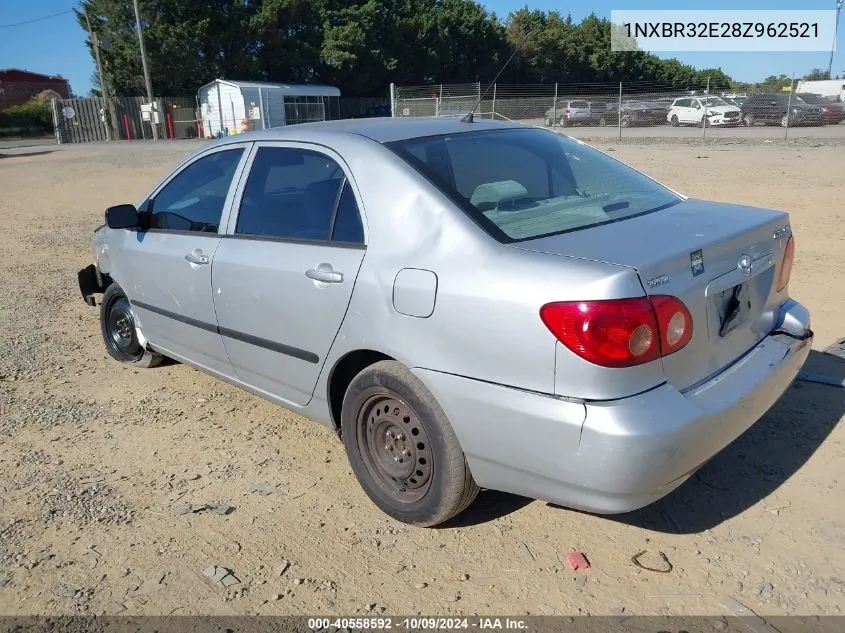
<point x="96" y="458"/>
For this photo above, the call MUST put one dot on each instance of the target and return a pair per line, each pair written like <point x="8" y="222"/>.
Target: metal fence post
<point x="704" y="120"/>
<point x="789" y="106"/>
<point x="554" y="110"/>
<point x="438" y="107"/>
<point x="493" y="109"/>
<point x="619" y="111"/>
<point x="392" y="99"/>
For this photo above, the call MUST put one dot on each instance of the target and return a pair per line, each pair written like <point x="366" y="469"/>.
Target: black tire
<point x="675" y="122"/>
<point x="603" y="122"/>
<point x="389" y="416"/>
<point x="626" y="121"/>
<point x="548" y="122"/>
<point x="563" y="122"/>
<point x="117" y="325"/>
<point x="748" y="120"/>
<point x="784" y="120"/>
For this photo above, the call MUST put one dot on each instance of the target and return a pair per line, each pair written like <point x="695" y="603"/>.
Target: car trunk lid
<point x="717" y="258"/>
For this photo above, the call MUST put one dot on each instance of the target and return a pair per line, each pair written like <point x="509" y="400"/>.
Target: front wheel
<point x="748" y="120"/>
<point x="603" y="122"/>
<point x="402" y="447"/>
<point x="675" y="122"/>
<point x="784" y="120"/>
<point x="563" y="122"/>
<point x="626" y="122"/>
<point x="117" y="324"/>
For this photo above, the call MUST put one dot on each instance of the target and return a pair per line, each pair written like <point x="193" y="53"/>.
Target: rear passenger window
<point x="347" y="224"/>
<point x="290" y="193"/>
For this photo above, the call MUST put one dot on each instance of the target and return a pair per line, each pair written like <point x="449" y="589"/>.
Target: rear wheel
<point x="626" y="121"/>
<point x="117" y="324"/>
<point x="603" y="122"/>
<point x="548" y="122"/>
<point x="402" y="448"/>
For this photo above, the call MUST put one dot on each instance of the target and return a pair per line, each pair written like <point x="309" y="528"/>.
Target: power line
<point x="46" y="17"/>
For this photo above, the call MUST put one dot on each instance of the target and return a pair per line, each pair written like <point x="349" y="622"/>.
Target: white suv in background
<point x="704" y="111"/>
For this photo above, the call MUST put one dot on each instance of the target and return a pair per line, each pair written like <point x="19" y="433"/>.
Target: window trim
<point x="143" y="208"/>
<point x="317" y="148"/>
<point x="487" y="225"/>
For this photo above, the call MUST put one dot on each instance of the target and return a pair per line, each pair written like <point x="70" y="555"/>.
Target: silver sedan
<point x="467" y="304"/>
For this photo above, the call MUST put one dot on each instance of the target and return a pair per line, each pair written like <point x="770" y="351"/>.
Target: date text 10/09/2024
<point x="417" y="623"/>
<point x="725" y="30"/>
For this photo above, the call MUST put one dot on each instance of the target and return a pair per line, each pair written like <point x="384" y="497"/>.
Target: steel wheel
<point x="396" y="448"/>
<point x="120" y="327"/>
<point x="120" y="332"/>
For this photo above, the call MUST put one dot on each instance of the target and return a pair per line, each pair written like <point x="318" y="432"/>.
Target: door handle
<point x="196" y="257"/>
<point x="324" y="273"/>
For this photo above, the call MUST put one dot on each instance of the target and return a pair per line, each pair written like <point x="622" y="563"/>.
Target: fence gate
<point x="80" y="120"/>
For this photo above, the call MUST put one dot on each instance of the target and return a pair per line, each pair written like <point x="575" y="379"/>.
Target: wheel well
<point x="342" y="374"/>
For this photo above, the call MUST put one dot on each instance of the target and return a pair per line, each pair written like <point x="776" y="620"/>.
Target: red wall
<point x="19" y="86"/>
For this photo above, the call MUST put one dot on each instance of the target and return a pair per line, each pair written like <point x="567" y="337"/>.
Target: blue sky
<point x="57" y="45"/>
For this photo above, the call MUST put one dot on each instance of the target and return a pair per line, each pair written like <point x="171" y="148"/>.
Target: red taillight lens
<point x="620" y="332"/>
<point x="786" y="266"/>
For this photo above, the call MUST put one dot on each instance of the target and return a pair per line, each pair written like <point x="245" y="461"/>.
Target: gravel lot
<point x="167" y="492"/>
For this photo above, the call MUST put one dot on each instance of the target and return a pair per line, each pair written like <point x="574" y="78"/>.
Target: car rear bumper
<point x="616" y="456"/>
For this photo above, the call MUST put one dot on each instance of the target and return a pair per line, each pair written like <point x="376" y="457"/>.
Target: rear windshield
<point x="579" y="104"/>
<point x="528" y="183"/>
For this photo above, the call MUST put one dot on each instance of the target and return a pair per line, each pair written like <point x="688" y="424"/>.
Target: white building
<point x="826" y="87"/>
<point x="230" y="107"/>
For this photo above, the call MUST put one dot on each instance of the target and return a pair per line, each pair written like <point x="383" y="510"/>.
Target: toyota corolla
<point x="467" y="304"/>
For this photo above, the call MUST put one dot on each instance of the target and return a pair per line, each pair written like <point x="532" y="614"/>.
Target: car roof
<point x="379" y="129"/>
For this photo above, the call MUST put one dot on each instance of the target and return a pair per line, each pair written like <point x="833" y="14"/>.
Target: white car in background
<point x="703" y="111"/>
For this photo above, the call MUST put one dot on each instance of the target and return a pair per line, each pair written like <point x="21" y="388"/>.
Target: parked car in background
<point x="573" y="112"/>
<point x="634" y="113"/>
<point x="465" y="304"/>
<point x="833" y="111"/>
<point x="704" y="111"/>
<point x="776" y="108"/>
<point x="737" y="101"/>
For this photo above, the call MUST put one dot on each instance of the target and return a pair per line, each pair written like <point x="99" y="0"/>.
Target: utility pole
<point x="146" y="71"/>
<point x="104" y="91"/>
<point x="833" y="47"/>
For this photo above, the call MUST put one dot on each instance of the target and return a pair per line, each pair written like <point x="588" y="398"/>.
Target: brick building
<point x="19" y="86"/>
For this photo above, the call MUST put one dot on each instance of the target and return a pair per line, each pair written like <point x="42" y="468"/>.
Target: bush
<point x="35" y="116"/>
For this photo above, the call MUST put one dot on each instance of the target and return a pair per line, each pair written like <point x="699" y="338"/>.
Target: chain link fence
<point x="635" y="109"/>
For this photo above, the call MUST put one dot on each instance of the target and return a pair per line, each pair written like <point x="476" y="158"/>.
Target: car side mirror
<point x="123" y="216"/>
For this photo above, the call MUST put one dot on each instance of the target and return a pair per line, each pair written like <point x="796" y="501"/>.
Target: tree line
<point x="361" y="46"/>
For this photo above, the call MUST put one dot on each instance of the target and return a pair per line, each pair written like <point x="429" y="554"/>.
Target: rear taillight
<point x="620" y="332"/>
<point x="786" y="266"/>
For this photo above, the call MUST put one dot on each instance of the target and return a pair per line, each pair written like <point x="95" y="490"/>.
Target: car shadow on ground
<point x="744" y="473"/>
<point x="758" y="462"/>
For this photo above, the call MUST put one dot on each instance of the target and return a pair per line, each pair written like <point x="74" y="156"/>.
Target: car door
<point x="283" y="276"/>
<point x="165" y="268"/>
<point x="694" y="111"/>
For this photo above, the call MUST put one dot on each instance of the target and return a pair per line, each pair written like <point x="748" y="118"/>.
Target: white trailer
<point x="231" y="107"/>
<point x="826" y="87"/>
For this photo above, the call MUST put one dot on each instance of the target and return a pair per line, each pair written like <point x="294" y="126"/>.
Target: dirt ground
<point x="97" y="461"/>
